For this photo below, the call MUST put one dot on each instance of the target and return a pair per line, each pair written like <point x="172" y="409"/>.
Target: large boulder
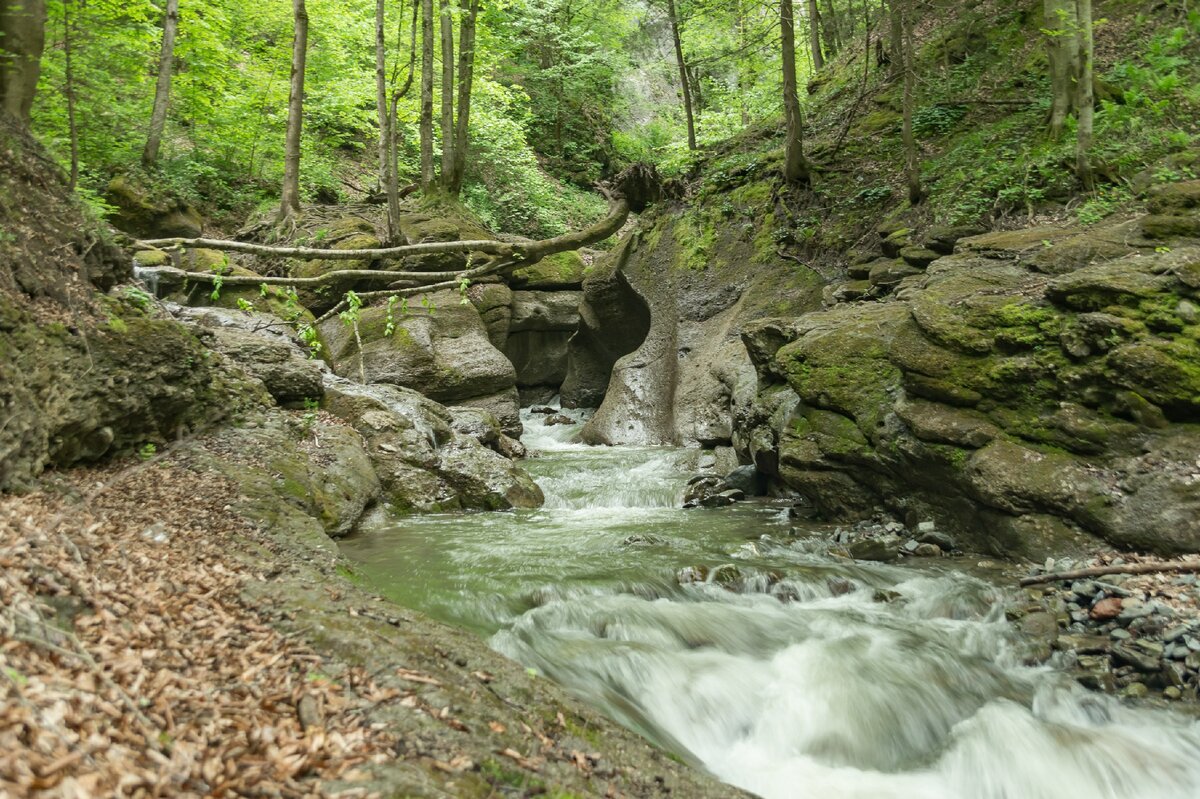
<point x="439" y="346"/>
<point x="423" y="462"/>
<point x="150" y="214"/>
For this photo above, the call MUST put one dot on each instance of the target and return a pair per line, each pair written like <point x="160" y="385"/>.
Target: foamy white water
<point x="778" y="686"/>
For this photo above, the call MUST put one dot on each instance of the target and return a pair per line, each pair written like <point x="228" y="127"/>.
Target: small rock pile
<point x="1133" y="635"/>
<point x="885" y="540"/>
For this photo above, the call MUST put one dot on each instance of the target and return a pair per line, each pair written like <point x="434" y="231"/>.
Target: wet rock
<point x="939" y="539"/>
<point x="558" y="419"/>
<point x="746" y="479"/>
<point x="1130" y="655"/>
<point x="644" y="540"/>
<point x="927" y="551"/>
<point x="1084" y="644"/>
<point x="882" y="549"/>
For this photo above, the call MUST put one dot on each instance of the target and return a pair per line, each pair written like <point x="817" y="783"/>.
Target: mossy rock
<point x="1099" y="286"/>
<point x="151" y="257"/>
<point x="882" y="121"/>
<point x="1166" y="373"/>
<point x="1174" y="198"/>
<point x="1017" y="244"/>
<point x="564" y="270"/>
<point x="1170" y="226"/>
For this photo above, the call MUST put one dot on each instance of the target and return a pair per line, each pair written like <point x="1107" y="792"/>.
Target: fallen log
<point x="1100" y="571"/>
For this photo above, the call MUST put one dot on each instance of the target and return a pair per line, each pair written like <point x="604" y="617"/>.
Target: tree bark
<point x="446" y="22"/>
<point x="796" y="168"/>
<point x="387" y="160"/>
<point x="1087" y="100"/>
<point x="162" y="90"/>
<point x="1062" y="40"/>
<point x="22" y="37"/>
<point x="466" y="80"/>
<point x="426" y="123"/>
<point x="290" y="204"/>
<point x="912" y="158"/>
<point x="814" y="35"/>
<point x="684" y="82"/>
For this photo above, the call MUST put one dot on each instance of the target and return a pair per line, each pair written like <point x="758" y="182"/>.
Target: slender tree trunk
<point x="833" y="35"/>
<point x="466" y="80"/>
<point x="295" y="124"/>
<point x="912" y="159"/>
<point x="796" y="168"/>
<point x="387" y="161"/>
<point x="744" y="80"/>
<point x="895" y="40"/>
<point x="684" y="82"/>
<point x="1062" y="38"/>
<point x="162" y="90"/>
<point x="426" y="124"/>
<point x="72" y="128"/>
<point x="1086" y="111"/>
<point x="446" y="20"/>
<point x="22" y="37"/>
<point x="814" y="35"/>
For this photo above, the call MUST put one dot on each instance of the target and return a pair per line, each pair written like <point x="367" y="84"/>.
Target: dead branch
<point x="1099" y="571"/>
<point x="490" y="247"/>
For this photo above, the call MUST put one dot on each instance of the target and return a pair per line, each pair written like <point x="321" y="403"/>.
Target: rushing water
<point x="816" y="677"/>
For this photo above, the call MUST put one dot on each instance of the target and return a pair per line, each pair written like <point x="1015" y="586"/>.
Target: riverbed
<point x="739" y="642"/>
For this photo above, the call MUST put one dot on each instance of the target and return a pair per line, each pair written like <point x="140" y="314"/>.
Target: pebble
<point x="1120" y="634"/>
<point x="1105" y="609"/>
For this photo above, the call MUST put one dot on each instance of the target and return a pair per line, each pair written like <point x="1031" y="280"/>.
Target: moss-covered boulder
<point x="564" y="270"/>
<point x="437" y="345"/>
<point x="148" y="213"/>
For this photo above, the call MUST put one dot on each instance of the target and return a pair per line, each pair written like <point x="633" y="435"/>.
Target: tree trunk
<point x="895" y="40"/>
<point x="387" y="162"/>
<point x="912" y="158"/>
<point x="796" y="168"/>
<point x="295" y="124"/>
<point x="833" y="36"/>
<point x="1087" y="100"/>
<point x="22" y="37"/>
<point x="162" y="90"/>
<point x="684" y="82"/>
<point x="446" y="21"/>
<point x="466" y="79"/>
<point x="72" y="127"/>
<point x="1062" y="39"/>
<point x="426" y="124"/>
<point x="814" y="35"/>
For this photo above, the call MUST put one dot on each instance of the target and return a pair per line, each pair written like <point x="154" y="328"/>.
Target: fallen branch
<point x="490" y="247"/>
<point x="1100" y="571"/>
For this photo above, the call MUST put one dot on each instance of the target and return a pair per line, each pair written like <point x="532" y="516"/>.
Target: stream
<point x="756" y="655"/>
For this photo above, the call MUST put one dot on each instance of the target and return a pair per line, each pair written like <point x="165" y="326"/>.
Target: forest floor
<point x="156" y="641"/>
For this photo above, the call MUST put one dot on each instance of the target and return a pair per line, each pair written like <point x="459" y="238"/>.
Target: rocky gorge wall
<point x="1029" y="389"/>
